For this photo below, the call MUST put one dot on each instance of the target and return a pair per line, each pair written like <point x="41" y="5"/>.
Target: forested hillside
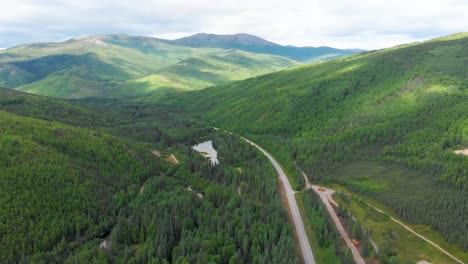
<point x="74" y="195"/>
<point x="230" y="213"/>
<point x="60" y="183"/>
<point x="406" y="106"/>
<point x="51" y="109"/>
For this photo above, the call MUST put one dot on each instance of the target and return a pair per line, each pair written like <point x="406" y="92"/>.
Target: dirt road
<point x="326" y="197"/>
<point x="417" y="234"/>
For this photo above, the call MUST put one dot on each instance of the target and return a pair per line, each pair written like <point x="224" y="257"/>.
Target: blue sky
<point x="338" y="23"/>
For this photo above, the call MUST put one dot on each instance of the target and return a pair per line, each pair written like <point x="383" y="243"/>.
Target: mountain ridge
<point x="126" y="66"/>
<point x="243" y="38"/>
<point x="252" y="43"/>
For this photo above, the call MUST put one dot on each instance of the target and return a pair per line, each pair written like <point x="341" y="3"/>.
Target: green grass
<point x="403" y="189"/>
<point x="71" y="87"/>
<point x="203" y="71"/>
<point x="424" y="230"/>
<point x="409" y="248"/>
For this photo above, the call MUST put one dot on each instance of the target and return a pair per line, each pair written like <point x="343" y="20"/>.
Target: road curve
<point x="307" y="254"/>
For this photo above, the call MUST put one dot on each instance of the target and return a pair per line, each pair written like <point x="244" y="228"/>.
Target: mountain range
<point x="120" y="66"/>
<point x="255" y="44"/>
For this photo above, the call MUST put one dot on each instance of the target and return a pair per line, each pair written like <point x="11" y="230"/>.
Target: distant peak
<point x="214" y="39"/>
<point x="224" y="35"/>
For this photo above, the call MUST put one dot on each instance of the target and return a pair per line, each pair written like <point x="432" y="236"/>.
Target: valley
<point x="108" y="151"/>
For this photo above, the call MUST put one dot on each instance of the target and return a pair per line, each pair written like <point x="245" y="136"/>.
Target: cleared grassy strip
<point x="406" y="195"/>
<point x="408" y="247"/>
<point x="424" y="230"/>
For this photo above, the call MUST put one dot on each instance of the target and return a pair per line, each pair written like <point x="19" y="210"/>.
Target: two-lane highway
<point x="307" y="254"/>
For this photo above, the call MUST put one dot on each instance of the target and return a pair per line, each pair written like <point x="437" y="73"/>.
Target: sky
<point x="365" y="24"/>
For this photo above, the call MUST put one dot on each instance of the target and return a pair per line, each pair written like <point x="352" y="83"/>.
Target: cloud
<point x="339" y="23"/>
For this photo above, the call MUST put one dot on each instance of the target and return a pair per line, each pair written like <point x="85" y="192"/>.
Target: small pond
<point x="207" y="150"/>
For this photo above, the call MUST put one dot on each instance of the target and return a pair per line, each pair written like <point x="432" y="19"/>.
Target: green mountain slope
<point x="50" y="109"/>
<point x="406" y="106"/>
<point x="115" y="66"/>
<point x="200" y="72"/>
<point x="255" y="44"/>
<point x="55" y="189"/>
<point x="69" y="194"/>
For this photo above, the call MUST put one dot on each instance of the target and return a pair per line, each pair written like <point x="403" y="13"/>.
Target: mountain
<point x="255" y="44"/>
<point x="120" y="66"/>
<point x="400" y="113"/>
<point x="224" y="41"/>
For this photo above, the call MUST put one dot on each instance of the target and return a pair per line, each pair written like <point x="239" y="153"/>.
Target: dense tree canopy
<point x="405" y="105"/>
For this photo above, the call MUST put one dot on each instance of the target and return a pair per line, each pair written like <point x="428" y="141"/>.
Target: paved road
<point x="307" y="255"/>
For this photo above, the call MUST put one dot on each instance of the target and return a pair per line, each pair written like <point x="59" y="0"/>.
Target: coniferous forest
<point x="67" y="190"/>
<point x="108" y="173"/>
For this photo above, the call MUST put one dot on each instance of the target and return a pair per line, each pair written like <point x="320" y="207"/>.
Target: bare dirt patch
<point x="172" y="159"/>
<point x="157" y="153"/>
<point x="462" y="152"/>
<point x="169" y="157"/>
<point x="199" y="195"/>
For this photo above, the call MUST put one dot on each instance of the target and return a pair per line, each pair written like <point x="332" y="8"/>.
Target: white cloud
<point x="339" y="23"/>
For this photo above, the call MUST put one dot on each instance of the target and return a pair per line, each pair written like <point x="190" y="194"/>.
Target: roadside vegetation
<point x="325" y="239"/>
<point x="404" y="106"/>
